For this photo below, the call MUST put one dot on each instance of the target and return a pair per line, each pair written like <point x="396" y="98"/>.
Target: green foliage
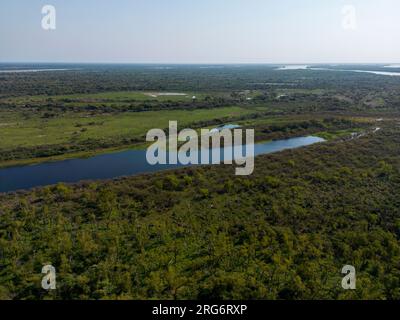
<point x="199" y="233"/>
<point x="283" y="233"/>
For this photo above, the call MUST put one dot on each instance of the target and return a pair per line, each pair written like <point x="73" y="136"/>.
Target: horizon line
<point x="196" y="63"/>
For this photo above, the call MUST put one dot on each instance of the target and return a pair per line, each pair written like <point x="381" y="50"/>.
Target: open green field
<point x="17" y="130"/>
<point x="115" y="96"/>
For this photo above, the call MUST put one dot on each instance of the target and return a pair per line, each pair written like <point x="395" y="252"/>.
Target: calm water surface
<point x="113" y="165"/>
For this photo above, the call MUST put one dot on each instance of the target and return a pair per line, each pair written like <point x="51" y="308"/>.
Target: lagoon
<point x="112" y="165"/>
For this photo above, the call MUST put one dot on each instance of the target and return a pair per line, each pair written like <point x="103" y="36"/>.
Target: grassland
<point x="18" y="130"/>
<point x="30" y="137"/>
<point x="113" y="96"/>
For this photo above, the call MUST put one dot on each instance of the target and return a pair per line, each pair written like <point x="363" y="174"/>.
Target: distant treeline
<point x="102" y="78"/>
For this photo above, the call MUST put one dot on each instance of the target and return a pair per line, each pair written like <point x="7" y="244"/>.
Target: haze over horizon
<point x="210" y="32"/>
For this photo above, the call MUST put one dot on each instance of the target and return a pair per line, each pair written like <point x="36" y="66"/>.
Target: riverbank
<point x="119" y="164"/>
<point x="331" y="135"/>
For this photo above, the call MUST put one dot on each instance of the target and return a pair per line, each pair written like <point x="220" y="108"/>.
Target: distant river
<point x="305" y="67"/>
<point x="381" y="73"/>
<point x="32" y="70"/>
<point x="112" y="165"/>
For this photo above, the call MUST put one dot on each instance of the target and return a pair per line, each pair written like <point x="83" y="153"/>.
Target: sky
<point x="202" y="31"/>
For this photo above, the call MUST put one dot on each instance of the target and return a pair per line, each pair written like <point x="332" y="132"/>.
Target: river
<point x="112" y="165"/>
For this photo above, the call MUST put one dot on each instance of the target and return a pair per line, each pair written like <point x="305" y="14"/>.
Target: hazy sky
<point x="201" y="31"/>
